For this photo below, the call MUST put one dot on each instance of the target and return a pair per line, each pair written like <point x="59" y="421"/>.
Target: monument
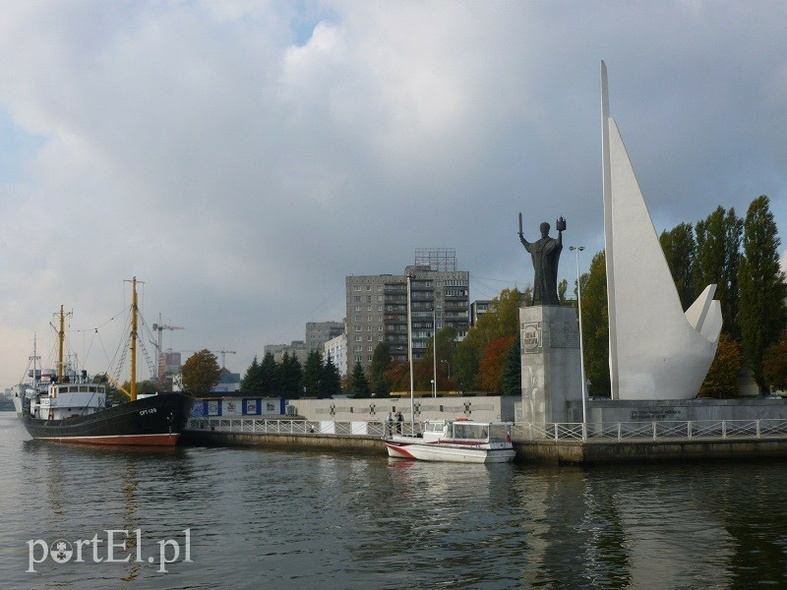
<point x="546" y="255"/>
<point x="657" y="352"/>
<point x="551" y="377"/>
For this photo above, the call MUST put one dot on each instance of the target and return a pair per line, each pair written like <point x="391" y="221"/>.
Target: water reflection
<point x="301" y="519"/>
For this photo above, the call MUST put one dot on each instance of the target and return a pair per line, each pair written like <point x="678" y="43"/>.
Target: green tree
<point x="680" y="250"/>
<point x="290" y="376"/>
<point x="718" y="254"/>
<point x="331" y="380"/>
<point x="270" y="382"/>
<point x="595" y="326"/>
<point x="311" y="378"/>
<point x="200" y="372"/>
<point x="722" y="378"/>
<point x="762" y="313"/>
<point x="381" y="361"/>
<point x="358" y="381"/>
<point x="252" y="380"/>
<point x="425" y="368"/>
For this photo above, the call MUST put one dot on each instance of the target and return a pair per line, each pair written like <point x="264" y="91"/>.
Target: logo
<point x="118" y="546"/>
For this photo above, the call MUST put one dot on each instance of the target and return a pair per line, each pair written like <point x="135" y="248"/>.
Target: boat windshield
<point x="471" y="431"/>
<point x="475" y="431"/>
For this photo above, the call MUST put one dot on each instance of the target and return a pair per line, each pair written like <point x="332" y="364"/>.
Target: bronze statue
<point x="546" y="254"/>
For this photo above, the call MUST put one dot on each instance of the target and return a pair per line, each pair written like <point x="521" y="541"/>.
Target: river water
<point x="252" y="518"/>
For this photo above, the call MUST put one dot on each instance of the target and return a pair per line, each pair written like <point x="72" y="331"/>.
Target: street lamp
<point x="577" y="250"/>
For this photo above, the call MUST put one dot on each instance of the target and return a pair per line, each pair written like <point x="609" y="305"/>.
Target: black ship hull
<point x="156" y="420"/>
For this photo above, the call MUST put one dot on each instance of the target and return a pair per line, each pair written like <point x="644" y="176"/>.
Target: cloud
<point x="243" y="157"/>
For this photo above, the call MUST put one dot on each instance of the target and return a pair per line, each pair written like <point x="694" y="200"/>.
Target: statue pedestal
<point x="551" y="375"/>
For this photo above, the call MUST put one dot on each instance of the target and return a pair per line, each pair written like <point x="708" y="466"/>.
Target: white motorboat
<point x="459" y="441"/>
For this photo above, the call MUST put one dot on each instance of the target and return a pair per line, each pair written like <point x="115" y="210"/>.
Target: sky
<point x="241" y="158"/>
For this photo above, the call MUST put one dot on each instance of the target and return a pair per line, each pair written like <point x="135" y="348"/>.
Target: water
<point x="270" y="519"/>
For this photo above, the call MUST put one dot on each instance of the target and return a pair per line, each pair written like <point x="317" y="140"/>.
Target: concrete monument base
<point x="551" y="378"/>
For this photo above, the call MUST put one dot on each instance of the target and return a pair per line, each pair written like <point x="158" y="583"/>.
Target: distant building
<point x="478" y="308"/>
<point x="318" y="333"/>
<point x="336" y="348"/>
<point x="228" y="382"/>
<point x="297" y="349"/>
<point x="377" y="307"/>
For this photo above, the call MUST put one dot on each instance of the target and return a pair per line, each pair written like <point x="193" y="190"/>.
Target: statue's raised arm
<point x="522" y="239"/>
<point x="560" y="226"/>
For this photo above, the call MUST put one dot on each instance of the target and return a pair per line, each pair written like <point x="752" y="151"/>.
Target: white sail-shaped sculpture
<point x="657" y="352"/>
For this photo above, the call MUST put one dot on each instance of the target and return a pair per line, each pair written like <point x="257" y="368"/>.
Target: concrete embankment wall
<point x="599" y="453"/>
<point x="324" y="442"/>
<point x="564" y="452"/>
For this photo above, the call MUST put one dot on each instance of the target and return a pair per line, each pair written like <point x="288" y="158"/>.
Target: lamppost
<point x="577" y="250"/>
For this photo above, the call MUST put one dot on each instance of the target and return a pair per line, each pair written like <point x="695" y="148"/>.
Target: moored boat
<point x="459" y="441"/>
<point x="73" y="409"/>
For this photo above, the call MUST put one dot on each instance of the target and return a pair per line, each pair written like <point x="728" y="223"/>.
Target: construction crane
<point x="224" y="354"/>
<point x="159" y="327"/>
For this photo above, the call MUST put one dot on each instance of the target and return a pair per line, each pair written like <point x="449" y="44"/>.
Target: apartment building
<point x="377" y="307"/>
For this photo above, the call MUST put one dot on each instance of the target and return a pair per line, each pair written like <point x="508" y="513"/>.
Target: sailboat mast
<point x="133" y="384"/>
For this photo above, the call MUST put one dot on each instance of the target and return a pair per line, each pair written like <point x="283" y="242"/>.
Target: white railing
<point x="607" y="432"/>
<point x="655" y="430"/>
<point x="304" y="427"/>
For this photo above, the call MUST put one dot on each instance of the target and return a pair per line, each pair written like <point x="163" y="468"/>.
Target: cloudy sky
<point x="242" y="157"/>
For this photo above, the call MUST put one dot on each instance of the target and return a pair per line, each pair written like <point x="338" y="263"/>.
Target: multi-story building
<point x="478" y="308"/>
<point x="377" y="307"/>
<point x="297" y="349"/>
<point x="336" y="349"/>
<point x="318" y="333"/>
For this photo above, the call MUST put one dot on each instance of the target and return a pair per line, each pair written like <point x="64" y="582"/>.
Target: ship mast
<point x="61" y="337"/>
<point x="133" y="384"/>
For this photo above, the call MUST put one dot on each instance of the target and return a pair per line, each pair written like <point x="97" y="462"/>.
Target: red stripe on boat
<point x="150" y="440"/>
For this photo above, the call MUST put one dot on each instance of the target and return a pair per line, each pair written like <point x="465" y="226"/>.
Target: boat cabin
<point x="68" y="400"/>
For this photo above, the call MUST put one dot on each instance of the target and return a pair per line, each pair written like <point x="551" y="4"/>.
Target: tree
<point x="717" y="258"/>
<point x="493" y="363"/>
<point x="381" y="360"/>
<point x="290" y="376"/>
<point x="774" y="364"/>
<point x="312" y="374"/>
<point x="201" y="372"/>
<point x="331" y="380"/>
<point x="722" y="378"/>
<point x="252" y="380"/>
<point x="680" y="250"/>
<point x="359" y="382"/>
<point x="397" y="375"/>
<point x="595" y="326"/>
<point x="425" y="369"/>
<point x="512" y="373"/>
<point x="762" y="314"/>
<point x="270" y="375"/>
<point x="502" y="319"/>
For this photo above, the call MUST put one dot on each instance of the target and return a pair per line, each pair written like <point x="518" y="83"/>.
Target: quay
<point x="560" y="444"/>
